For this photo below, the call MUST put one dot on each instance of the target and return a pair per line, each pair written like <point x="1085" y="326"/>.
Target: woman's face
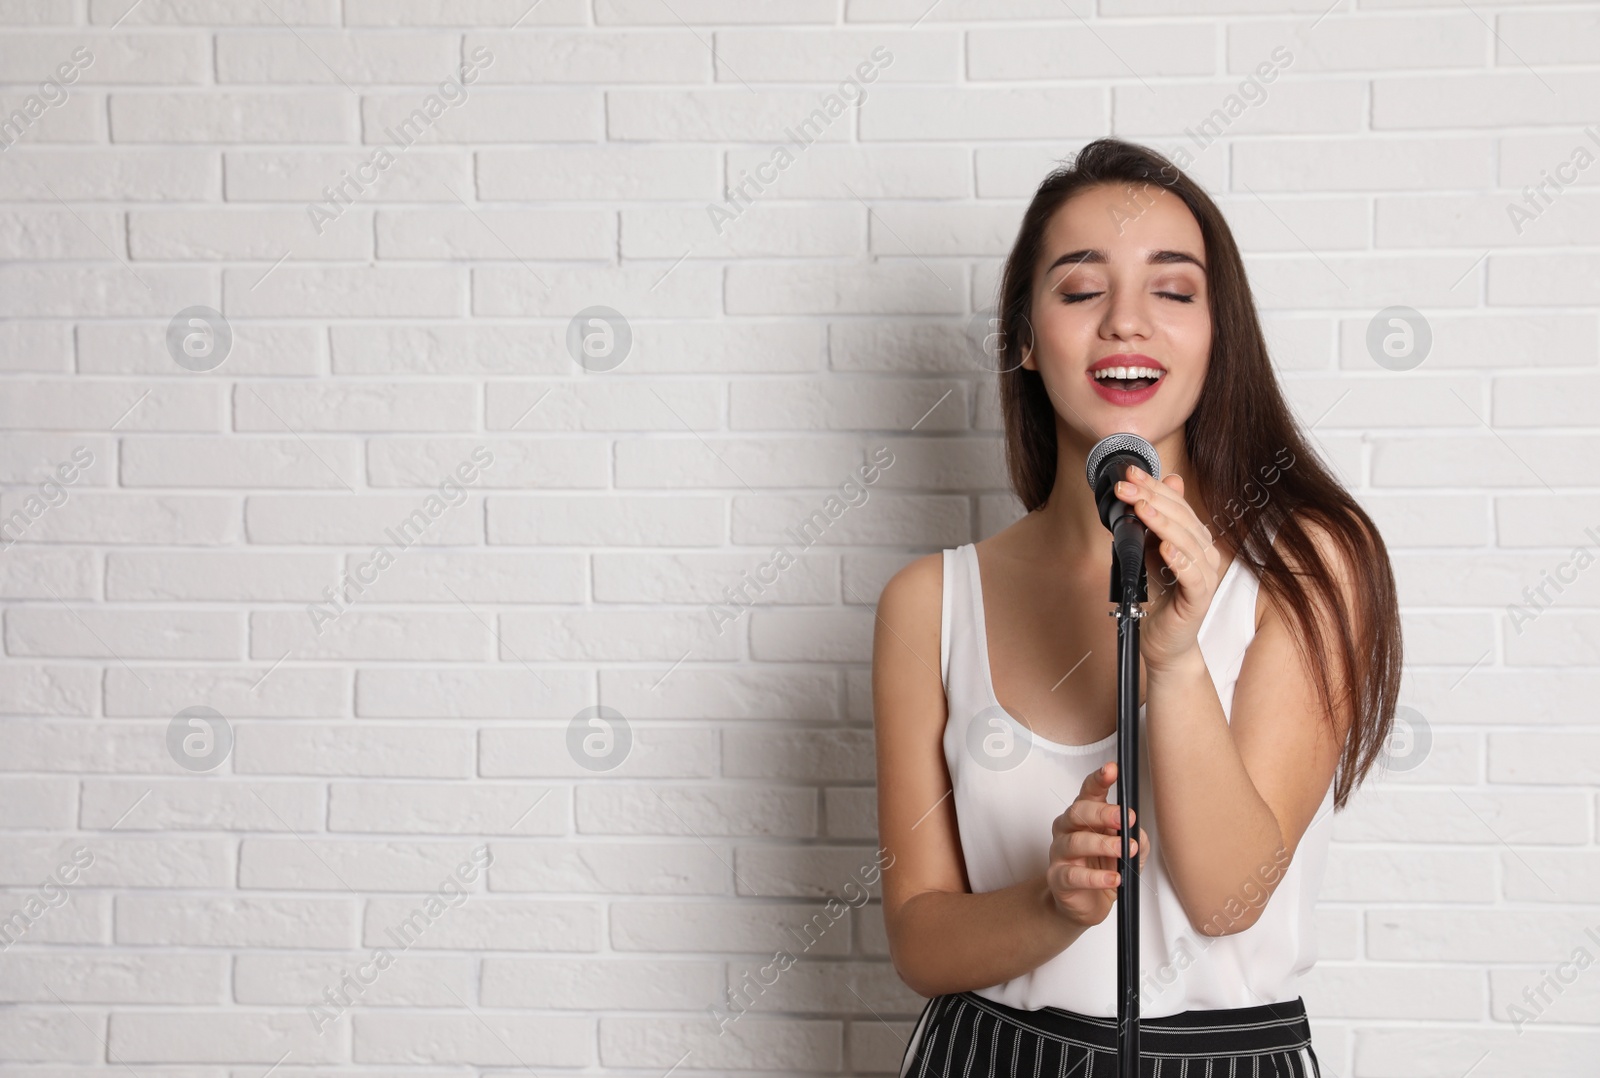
<point x="1121" y="284"/>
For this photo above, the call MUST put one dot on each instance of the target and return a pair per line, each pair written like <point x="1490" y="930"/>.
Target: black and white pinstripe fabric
<point x="967" y="1036"/>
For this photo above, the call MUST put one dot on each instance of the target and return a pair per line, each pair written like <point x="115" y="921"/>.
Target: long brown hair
<point x="1237" y="439"/>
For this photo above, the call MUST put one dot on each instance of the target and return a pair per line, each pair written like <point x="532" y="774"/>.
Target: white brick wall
<point x="609" y="551"/>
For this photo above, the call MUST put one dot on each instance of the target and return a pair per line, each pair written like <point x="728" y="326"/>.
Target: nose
<point x="1126" y="317"/>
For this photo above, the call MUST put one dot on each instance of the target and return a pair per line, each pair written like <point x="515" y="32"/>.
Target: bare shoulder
<point x="916" y="588"/>
<point x="1337" y="554"/>
<point x="1329" y="548"/>
<point x="1329" y="544"/>
<point x="916" y="815"/>
<point x="909" y="613"/>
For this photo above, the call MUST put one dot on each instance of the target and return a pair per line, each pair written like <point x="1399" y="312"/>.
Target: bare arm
<point x="942" y="938"/>
<point x="1222" y="840"/>
<point x="1236" y="797"/>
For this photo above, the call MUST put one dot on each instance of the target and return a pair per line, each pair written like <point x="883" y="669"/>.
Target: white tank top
<point x="1010" y="784"/>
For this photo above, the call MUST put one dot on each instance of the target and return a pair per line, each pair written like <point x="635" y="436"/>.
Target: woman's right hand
<point x="1084" y="849"/>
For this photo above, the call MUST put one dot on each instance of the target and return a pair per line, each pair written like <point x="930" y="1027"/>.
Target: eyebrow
<point x="1091" y="254"/>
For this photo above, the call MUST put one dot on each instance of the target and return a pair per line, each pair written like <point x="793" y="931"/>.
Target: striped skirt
<point x="967" y="1036"/>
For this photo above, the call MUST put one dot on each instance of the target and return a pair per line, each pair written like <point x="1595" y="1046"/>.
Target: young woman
<point x="1270" y="667"/>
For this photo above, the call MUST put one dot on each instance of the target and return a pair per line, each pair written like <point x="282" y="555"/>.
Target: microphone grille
<point x="1123" y="443"/>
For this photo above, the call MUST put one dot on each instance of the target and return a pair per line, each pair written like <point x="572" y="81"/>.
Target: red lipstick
<point x="1114" y="393"/>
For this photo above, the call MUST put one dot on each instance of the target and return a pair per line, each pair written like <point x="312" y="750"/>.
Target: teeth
<point x="1126" y="372"/>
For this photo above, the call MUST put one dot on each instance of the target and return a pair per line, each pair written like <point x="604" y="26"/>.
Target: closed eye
<point x="1079" y="297"/>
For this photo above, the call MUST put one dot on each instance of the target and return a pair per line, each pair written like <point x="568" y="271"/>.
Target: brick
<point x="139" y="805"/>
<point x="237" y="921"/>
<point x="635" y="291"/>
<point x="46" y="1037"/>
<point x="767" y="231"/>
<point x="836" y="56"/>
<point x="789" y="812"/>
<point x="1456" y="40"/>
<point x="36" y="346"/>
<point x="1005" y="54"/>
<point x="654" y="868"/>
<point x="90" y="978"/>
<point x="1483" y="99"/>
<point x="148" y="58"/>
<point x="478" y="14"/>
<point x="344" y="291"/>
<point x="443" y="808"/>
<point x="305" y="116"/>
<point x="1487" y="339"/>
<point x="218" y="575"/>
<point x="545" y="752"/>
<point x="486" y="923"/>
<point x="397" y="120"/>
<point x="670" y="405"/>
<point x="461" y="234"/>
<point x="292" y="980"/>
<point x="335" y="58"/>
<point x="61" y="234"/>
<point x="209" y="12"/>
<point x="226" y="1036"/>
<point x="850" y="172"/>
<point x="310" y="176"/>
<point x="608" y="521"/>
<point x="592" y="57"/>
<point x="562" y="984"/>
<point x="120" y="862"/>
<point x="124" y="633"/>
<point x="697" y="12"/>
<point x="488" y="693"/>
<point x="746" y="927"/>
<point x="499" y="1041"/>
<point x="884" y="288"/>
<point x="29" y="120"/>
<point x="40" y="804"/>
<point x="894" y="113"/>
<point x="141" y="348"/>
<point x="37" y="12"/>
<point x="601" y="172"/>
<point x="237" y="235"/>
<point x="233" y="689"/>
<point x="428" y="636"/>
<point x="102" y="291"/>
<point x="343" y="749"/>
<point x="1363" y="164"/>
<point x="266" y="462"/>
<point x="1543" y="279"/>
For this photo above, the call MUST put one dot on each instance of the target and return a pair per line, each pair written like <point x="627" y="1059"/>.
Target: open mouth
<point x="1129" y="379"/>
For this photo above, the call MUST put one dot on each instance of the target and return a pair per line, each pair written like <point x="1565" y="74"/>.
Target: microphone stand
<point x="1128" y="590"/>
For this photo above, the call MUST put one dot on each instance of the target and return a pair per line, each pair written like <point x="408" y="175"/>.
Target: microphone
<point x="1108" y="464"/>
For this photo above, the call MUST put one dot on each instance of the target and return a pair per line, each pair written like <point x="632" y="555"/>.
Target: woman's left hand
<point x="1183" y="569"/>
